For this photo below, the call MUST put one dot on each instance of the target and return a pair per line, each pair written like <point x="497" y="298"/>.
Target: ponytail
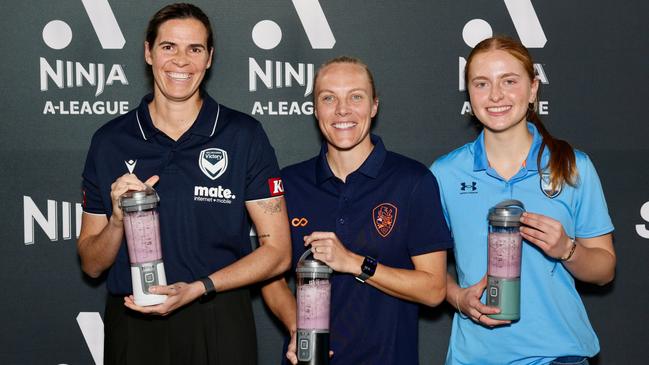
<point x="562" y="164"/>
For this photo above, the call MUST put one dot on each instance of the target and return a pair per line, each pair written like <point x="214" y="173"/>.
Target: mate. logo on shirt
<point x="275" y="186"/>
<point x="384" y="217"/>
<point x="546" y="186"/>
<point x="213" y="162"/>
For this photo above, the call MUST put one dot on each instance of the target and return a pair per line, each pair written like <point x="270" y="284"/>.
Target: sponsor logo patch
<point x="213" y="162"/>
<point x="384" y="217"/>
<point x="275" y="186"/>
<point x="299" y="222"/>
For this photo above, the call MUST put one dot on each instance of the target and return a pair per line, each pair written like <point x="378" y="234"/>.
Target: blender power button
<point x="304" y="344"/>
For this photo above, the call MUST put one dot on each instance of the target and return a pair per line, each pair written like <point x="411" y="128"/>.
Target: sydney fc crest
<point x="384" y="217"/>
<point x="213" y="162"/>
<point x="546" y="186"/>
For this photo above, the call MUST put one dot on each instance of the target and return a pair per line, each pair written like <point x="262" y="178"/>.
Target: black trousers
<point x="216" y="331"/>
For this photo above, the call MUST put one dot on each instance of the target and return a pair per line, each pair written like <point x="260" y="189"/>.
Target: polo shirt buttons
<point x="341" y="221"/>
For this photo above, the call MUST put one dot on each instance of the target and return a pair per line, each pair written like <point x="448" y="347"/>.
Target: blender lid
<point x="308" y="264"/>
<point x="142" y="199"/>
<point x="506" y="212"/>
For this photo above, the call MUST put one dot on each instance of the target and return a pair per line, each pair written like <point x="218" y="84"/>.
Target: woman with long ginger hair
<point x="567" y="231"/>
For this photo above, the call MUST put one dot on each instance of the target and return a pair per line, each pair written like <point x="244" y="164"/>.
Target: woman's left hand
<point x="547" y="234"/>
<point x="178" y="295"/>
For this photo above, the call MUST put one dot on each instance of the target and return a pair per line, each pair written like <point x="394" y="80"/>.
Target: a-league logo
<point x="57" y="34"/>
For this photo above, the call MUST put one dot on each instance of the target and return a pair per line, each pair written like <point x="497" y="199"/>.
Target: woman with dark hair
<point x="567" y="231"/>
<point x="213" y="168"/>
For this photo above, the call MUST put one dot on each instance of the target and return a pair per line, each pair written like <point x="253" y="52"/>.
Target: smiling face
<point x="345" y="106"/>
<point x="500" y="90"/>
<point x="179" y="58"/>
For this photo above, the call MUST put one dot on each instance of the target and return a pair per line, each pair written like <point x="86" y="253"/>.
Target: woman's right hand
<point x="123" y="184"/>
<point x="467" y="301"/>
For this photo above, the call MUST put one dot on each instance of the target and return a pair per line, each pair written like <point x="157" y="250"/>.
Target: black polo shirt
<point x="388" y="209"/>
<point x="206" y="176"/>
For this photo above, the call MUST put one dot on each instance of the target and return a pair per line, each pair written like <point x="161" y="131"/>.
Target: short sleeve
<point x="91" y="195"/>
<point x="591" y="212"/>
<point x="427" y="229"/>
<point x="263" y="176"/>
<point x="436" y="170"/>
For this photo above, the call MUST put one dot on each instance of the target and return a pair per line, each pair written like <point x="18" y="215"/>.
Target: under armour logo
<point x="299" y="222"/>
<point x="470" y="187"/>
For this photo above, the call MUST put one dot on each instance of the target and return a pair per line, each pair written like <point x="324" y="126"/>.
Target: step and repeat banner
<point x="69" y="66"/>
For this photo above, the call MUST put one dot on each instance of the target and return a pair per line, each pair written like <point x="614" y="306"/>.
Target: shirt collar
<point x="205" y="124"/>
<point x="481" y="163"/>
<point x="370" y="167"/>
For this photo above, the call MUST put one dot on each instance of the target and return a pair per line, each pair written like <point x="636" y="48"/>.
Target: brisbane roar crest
<point x="384" y="217"/>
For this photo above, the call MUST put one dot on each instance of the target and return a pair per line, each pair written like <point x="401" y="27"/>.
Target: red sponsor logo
<point x="384" y="217"/>
<point x="275" y="186"/>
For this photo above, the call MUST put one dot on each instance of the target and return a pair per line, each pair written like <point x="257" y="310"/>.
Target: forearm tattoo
<point x="270" y="206"/>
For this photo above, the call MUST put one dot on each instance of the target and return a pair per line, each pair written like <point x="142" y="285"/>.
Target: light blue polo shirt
<point x="553" y="320"/>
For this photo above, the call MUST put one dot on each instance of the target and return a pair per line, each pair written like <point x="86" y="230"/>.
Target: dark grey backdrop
<point x="594" y="60"/>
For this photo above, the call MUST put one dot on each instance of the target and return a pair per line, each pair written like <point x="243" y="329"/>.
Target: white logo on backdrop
<point x="213" y="162"/>
<point x="529" y="30"/>
<point x="641" y="228"/>
<point x="525" y="21"/>
<point x="57" y="35"/>
<point x="267" y="35"/>
<point x="58" y="216"/>
<point x="92" y="329"/>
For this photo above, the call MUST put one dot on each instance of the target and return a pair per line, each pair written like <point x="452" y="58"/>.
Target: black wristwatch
<point x="367" y="269"/>
<point x="209" y="286"/>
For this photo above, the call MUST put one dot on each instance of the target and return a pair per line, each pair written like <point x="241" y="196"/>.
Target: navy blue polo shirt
<point x="206" y="176"/>
<point x="388" y="209"/>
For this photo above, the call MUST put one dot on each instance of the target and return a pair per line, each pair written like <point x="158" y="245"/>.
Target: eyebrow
<point x="193" y="45"/>
<point x="505" y="75"/>
<point x="350" y="91"/>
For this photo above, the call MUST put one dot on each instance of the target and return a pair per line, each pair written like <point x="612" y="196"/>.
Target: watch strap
<point x="209" y="285"/>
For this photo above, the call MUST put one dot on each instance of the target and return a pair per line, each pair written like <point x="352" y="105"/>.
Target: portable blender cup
<point x="142" y="229"/>
<point x="504" y="262"/>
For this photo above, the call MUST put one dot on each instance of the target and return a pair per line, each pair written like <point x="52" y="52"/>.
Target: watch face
<point x="369" y="266"/>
